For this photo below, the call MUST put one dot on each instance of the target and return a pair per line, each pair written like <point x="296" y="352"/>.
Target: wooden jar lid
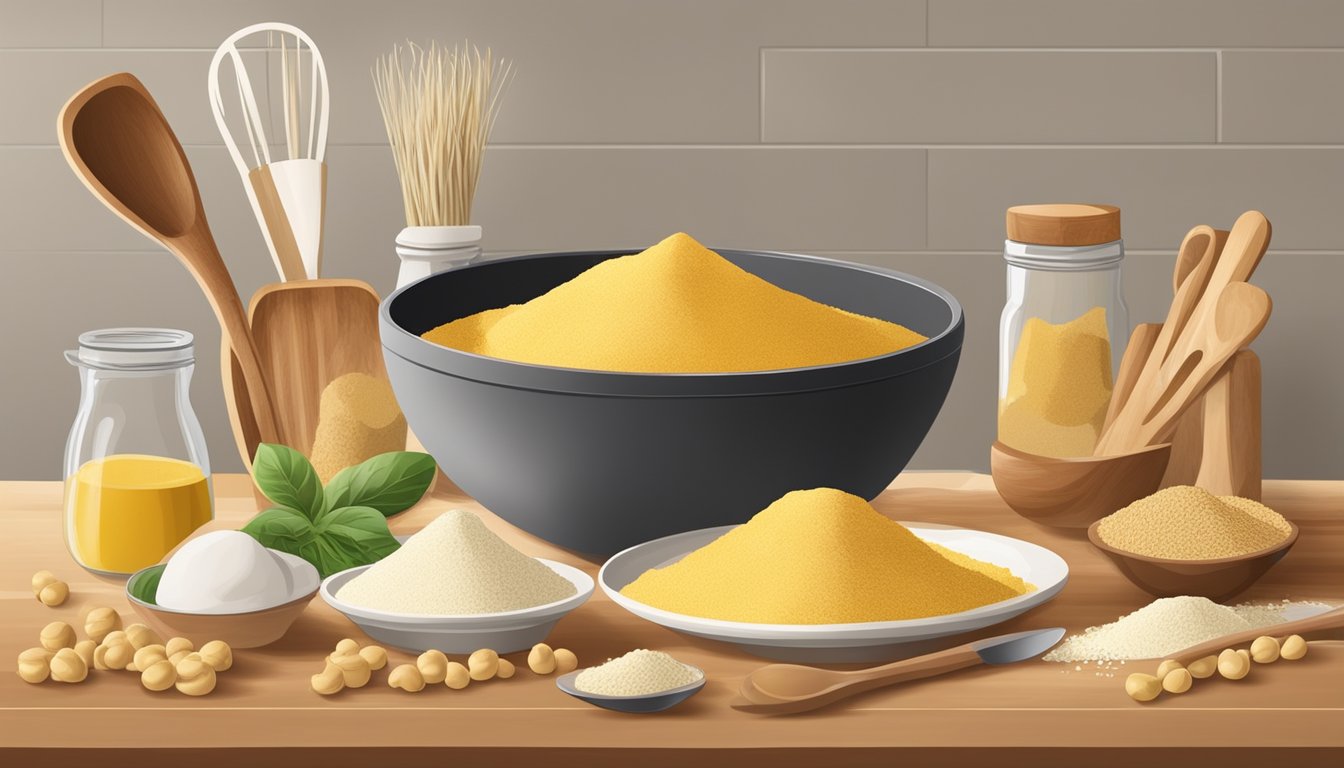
<point x="1064" y="224"/>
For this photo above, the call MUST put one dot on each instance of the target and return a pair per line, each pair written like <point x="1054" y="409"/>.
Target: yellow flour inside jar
<point x="1059" y="386"/>
<point x="823" y="556"/>
<point x="677" y="307"/>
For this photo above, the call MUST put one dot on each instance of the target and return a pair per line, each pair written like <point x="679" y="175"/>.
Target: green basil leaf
<point x="282" y="529"/>
<point x="288" y="479"/>
<point x="390" y="483"/>
<point x="355" y="536"/>
<point x="145" y="585"/>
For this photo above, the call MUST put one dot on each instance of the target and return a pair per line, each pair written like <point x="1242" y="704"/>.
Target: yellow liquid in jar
<point x="127" y="510"/>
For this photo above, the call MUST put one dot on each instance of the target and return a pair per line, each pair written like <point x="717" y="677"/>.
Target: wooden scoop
<point x="118" y="143"/>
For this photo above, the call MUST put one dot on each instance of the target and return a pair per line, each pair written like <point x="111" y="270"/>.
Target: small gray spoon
<point x="642" y="704"/>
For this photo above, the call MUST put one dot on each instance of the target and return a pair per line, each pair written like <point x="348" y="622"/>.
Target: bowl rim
<point x="400" y="342"/>
<point x="565" y="683"/>
<point x="288" y="602"/>
<point x="583" y="583"/>
<point x="1095" y="537"/>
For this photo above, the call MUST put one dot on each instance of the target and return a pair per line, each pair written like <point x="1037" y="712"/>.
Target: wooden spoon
<point x="1312" y="626"/>
<point x="782" y="689"/>
<point x="308" y="333"/>
<point x="119" y="144"/>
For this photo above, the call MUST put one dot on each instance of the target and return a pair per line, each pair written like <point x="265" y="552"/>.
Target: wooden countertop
<point x="1035" y="713"/>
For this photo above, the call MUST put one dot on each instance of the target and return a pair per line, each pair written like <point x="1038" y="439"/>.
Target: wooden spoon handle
<point x="1323" y="622"/>
<point x="1137" y="351"/>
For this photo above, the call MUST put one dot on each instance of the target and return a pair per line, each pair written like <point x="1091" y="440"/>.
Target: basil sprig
<point x="345" y="524"/>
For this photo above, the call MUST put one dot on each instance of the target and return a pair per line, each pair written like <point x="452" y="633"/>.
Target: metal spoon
<point x="643" y="704"/>
<point x="119" y="144"/>
<point x="785" y="689"/>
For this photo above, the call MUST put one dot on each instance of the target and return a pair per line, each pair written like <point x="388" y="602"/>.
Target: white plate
<point x="505" y="632"/>
<point x="843" y="643"/>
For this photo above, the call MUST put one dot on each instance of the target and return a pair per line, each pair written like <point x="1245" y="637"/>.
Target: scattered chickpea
<point x="217" y="654"/>
<point x="57" y="635"/>
<point x="329" y="681"/>
<point x="35" y="665"/>
<point x="565" y="661"/>
<point x="483" y="664"/>
<point x="1265" y="650"/>
<point x="68" y="667"/>
<point x="148" y="656"/>
<point x="433" y="666"/>
<point x="541" y="659"/>
<point x="407" y="677"/>
<point x="177" y="644"/>
<point x="346" y="646"/>
<point x="160" y="675"/>
<point x="1202" y="668"/>
<point x="375" y="655"/>
<point x="1232" y="665"/>
<point x="1177" y="680"/>
<point x="194" y="676"/>
<point x="354" y="669"/>
<point x="177" y="658"/>
<point x="506" y="669"/>
<point x="54" y="594"/>
<point x="114" y="656"/>
<point x="1165" y="667"/>
<point x="101" y="621"/>
<point x="1141" y="687"/>
<point x="116" y="637"/>
<point x="456" y="676"/>
<point x="41" y="579"/>
<point x="141" y="635"/>
<point x="1294" y="648"/>
<point x="85" y="650"/>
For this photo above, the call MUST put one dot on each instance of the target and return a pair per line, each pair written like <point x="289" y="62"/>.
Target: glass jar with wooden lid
<point x="1063" y="328"/>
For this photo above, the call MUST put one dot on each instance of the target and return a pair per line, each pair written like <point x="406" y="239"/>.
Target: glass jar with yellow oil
<point x="137" y="477"/>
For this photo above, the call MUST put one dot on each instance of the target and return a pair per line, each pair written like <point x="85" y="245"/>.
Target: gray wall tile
<point x="949" y="97"/>
<point x="1087" y="23"/>
<point x="1283" y="96"/>
<point x="1162" y="192"/>
<point x="50" y="23"/>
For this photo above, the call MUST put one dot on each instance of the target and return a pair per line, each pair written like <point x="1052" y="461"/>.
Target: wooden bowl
<point x="252" y="629"/>
<point x="1217" y="579"/>
<point x="1074" y="493"/>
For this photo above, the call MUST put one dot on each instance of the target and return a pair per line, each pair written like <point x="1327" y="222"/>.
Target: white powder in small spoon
<point x="637" y="673"/>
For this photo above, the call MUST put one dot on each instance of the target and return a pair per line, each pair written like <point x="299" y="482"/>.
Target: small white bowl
<point x="504" y="632"/>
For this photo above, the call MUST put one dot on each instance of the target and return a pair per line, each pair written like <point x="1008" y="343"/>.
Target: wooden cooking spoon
<point x="119" y="144"/>
<point x="1320" y="625"/>
<point x="308" y="333"/>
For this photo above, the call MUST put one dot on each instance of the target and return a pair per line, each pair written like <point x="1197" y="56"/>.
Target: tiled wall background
<point x="892" y="132"/>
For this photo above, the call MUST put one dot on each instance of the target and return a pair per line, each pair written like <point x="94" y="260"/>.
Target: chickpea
<point x="40" y="581"/>
<point x="57" y="635"/>
<point x="346" y="646"/>
<point x="1265" y="650"/>
<point x="177" y="658"/>
<point x="483" y="664"/>
<point x="116" y="637"/>
<point x="1232" y="665"/>
<point x="456" y="676"/>
<point x="1294" y="648"/>
<point x="177" y="644"/>
<point x="433" y="665"/>
<point x="329" y="681"/>
<point x="217" y="654"/>
<point x="101" y="621"/>
<point x="35" y="665"/>
<point x="1202" y="668"/>
<point x="1141" y="687"/>
<point x="1177" y="680"/>
<point x="407" y="677"/>
<point x="506" y="669"/>
<point x="67" y="667"/>
<point x="354" y="669"/>
<point x="194" y="676"/>
<point x="148" y="656"/>
<point x="85" y="650"/>
<point x="54" y="594"/>
<point x="541" y="659"/>
<point x="565" y="661"/>
<point x="160" y="675"/>
<point x="375" y="655"/>
<point x="115" y="656"/>
<point x="141" y="635"/>
<point x="1165" y="667"/>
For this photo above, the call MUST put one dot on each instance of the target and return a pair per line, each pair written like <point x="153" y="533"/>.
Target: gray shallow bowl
<point x="597" y="461"/>
<point x="639" y="705"/>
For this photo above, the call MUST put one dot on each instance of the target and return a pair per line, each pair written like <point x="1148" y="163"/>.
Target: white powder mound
<point x="637" y="673"/>
<point x="456" y="566"/>
<point x="1164" y="627"/>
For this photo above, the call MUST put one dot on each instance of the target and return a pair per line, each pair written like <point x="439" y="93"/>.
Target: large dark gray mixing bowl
<point x="598" y="461"/>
